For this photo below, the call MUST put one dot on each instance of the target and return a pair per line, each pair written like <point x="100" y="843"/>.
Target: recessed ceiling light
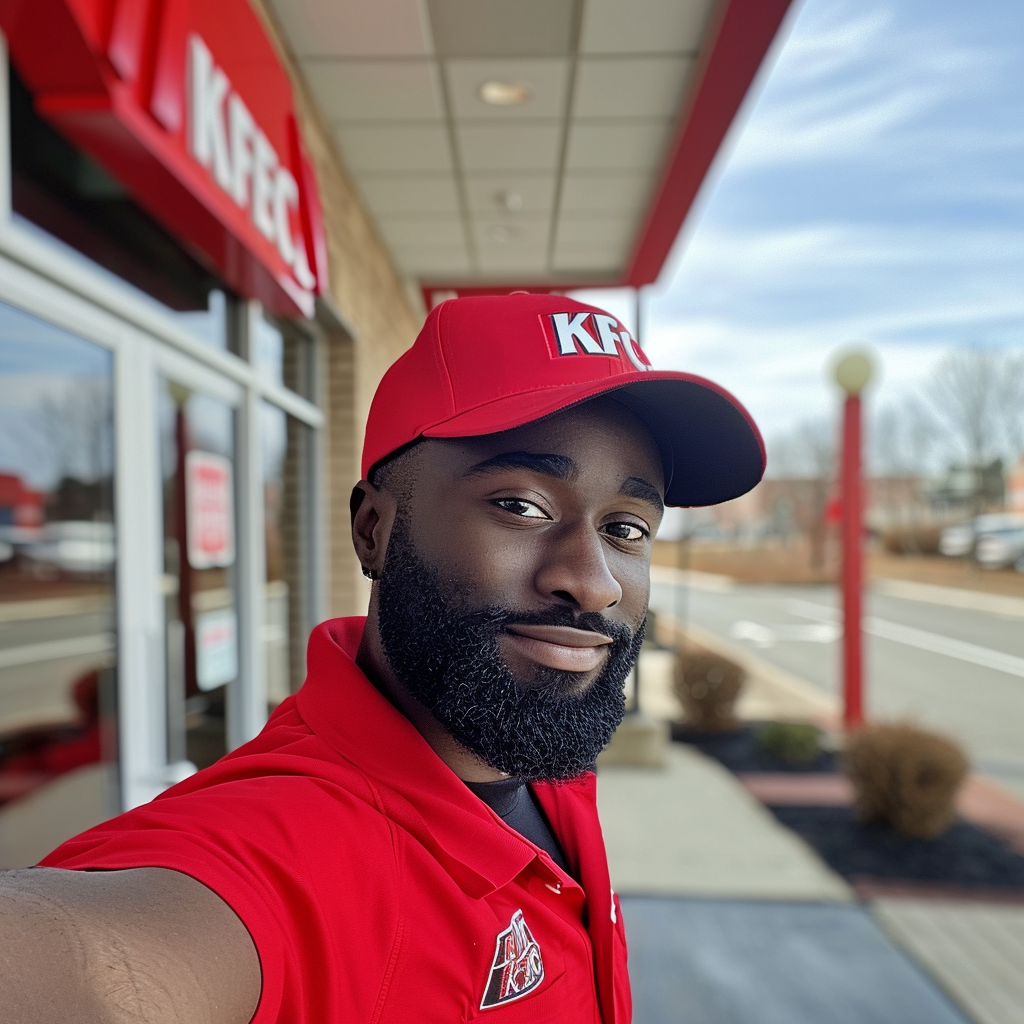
<point x="504" y="94"/>
<point x="511" y="201"/>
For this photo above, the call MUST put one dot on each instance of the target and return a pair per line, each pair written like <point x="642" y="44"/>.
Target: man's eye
<point x="626" y="531"/>
<point x="519" y="507"/>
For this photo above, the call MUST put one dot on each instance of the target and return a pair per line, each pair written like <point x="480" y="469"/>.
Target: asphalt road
<point x="960" y="671"/>
<point x="42" y="655"/>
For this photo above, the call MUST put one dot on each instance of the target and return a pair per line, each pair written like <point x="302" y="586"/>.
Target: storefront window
<point x="287" y="450"/>
<point x="62" y="194"/>
<point x="199" y="584"/>
<point x="58" y="707"/>
<point x="284" y="354"/>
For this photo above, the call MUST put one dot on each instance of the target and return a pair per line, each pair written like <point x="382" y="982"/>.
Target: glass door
<point x="200" y="569"/>
<point x="58" y="540"/>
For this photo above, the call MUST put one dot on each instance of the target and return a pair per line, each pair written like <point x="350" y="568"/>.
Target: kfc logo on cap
<point x="596" y="334"/>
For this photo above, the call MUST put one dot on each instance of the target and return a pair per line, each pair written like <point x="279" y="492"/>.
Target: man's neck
<point x="374" y="663"/>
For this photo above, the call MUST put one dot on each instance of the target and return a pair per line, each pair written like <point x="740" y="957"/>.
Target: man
<point x="414" y="837"/>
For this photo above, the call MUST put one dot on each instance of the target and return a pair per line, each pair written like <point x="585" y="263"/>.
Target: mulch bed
<point x="965" y="856"/>
<point x="966" y="860"/>
<point x="739" y="751"/>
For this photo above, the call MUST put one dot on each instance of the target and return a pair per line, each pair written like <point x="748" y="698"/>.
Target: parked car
<point x="957" y="541"/>
<point x="963" y="538"/>
<point x="1000" y="548"/>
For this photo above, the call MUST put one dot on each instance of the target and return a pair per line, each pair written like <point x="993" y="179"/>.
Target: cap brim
<point x="711" y="448"/>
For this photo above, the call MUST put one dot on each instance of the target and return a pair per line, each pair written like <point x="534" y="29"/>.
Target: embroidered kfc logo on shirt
<point x="518" y="967"/>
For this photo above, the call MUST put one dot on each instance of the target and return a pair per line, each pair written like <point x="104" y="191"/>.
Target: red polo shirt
<point x="375" y="885"/>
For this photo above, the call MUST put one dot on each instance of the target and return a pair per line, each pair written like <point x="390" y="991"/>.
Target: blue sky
<point x="872" y="190"/>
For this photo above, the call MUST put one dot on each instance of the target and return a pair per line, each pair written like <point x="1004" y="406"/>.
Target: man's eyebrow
<point x="559" y="466"/>
<point x="635" y="487"/>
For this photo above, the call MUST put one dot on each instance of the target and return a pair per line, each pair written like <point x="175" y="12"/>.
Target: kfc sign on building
<point x="225" y="138"/>
<point x="187" y="104"/>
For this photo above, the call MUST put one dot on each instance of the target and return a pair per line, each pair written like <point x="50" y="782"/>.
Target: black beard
<point x="450" y="662"/>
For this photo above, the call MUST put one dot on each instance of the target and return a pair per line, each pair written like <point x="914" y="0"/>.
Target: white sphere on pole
<point x="854" y="370"/>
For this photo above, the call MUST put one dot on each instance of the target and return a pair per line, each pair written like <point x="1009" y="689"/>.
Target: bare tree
<point x="980" y="396"/>
<point x="808" y="454"/>
<point x="72" y="432"/>
<point x="904" y="438"/>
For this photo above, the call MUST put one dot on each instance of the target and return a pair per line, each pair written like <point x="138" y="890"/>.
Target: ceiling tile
<point x="590" y="259"/>
<point x="630" y="86"/>
<point x="487" y="193"/>
<point x="400" y="232"/>
<point x="532" y="263"/>
<point x="643" y="26"/>
<point x="352" y="28"/>
<point x="515" y="147"/>
<point x="578" y="233"/>
<point x="610" y="193"/>
<point x="499" y="28"/>
<point x="429" y="261"/>
<point x="547" y="79"/>
<point x="412" y="148"/>
<point x="504" y="245"/>
<point x="380" y="90"/>
<point x="497" y="235"/>
<point x="617" y="145"/>
<point x="410" y="195"/>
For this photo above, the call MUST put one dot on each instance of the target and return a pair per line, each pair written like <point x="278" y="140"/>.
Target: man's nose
<point x="575" y="569"/>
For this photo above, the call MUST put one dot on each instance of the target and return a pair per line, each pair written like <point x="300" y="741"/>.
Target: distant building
<point x="968" y="490"/>
<point x="19" y="505"/>
<point x="1015" y="487"/>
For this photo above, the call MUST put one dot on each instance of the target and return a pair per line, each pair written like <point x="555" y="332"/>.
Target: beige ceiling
<point x="464" y="192"/>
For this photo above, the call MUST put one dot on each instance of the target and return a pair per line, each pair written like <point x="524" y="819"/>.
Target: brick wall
<point x="372" y="298"/>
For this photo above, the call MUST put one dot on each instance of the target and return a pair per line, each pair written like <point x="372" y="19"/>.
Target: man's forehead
<point x="560" y="445"/>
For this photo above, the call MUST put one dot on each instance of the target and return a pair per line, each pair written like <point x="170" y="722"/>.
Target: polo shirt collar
<point x="418" y="790"/>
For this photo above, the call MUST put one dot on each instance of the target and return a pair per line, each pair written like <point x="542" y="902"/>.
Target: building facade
<point x="193" y="318"/>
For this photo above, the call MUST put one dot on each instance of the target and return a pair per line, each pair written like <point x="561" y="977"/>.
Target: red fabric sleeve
<point x="323" y="943"/>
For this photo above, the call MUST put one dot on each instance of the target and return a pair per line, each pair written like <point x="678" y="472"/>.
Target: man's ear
<point x="373" y="514"/>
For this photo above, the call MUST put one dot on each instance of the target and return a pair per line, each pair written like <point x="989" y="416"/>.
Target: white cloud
<point x="850" y="81"/>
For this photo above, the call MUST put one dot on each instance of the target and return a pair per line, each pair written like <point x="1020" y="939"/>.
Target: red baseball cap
<point x="484" y="364"/>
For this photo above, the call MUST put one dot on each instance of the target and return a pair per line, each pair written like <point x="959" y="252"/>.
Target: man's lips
<point x="560" y="647"/>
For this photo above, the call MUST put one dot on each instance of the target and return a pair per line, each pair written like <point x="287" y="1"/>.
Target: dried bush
<point x="905" y="776"/>
<point x="791" y="742"/>
<point x="708" y="686"/>
<point x="912" y="540"/>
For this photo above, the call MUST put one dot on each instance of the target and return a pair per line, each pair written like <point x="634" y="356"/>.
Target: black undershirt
<point x="512" y="801"/>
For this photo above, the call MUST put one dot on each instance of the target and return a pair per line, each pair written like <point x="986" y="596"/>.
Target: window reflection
<point x="58" y="725"/>
<point x="284" y="354"/>
<point x="287" y="453"/>
<point x="197" y="460"/>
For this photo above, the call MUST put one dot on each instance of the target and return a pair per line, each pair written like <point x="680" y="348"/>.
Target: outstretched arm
<point x="111" y="947"/>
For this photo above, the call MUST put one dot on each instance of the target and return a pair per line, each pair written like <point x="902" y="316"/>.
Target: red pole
<point x="852" y="493"/>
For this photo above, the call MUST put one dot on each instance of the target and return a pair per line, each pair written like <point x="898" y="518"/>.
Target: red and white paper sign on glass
<point x="210" y="510"/>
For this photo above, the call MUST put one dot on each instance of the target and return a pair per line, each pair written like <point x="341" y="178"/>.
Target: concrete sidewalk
<point x="732" y="919"/>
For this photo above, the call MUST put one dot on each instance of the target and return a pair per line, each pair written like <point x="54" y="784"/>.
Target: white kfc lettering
<point x="241" y="132"/>
<point x="609" y="337"/>
<point x="286" y="197"/>
<point x="571" y="329"/>
<point x="225" y="138"/>
<point x="633" y="351"/>
<point x="263" y="171"/>
<point x="208" y="89"/>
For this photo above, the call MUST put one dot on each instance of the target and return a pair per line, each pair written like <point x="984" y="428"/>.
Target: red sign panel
<point x="187" y="104"/>
<point x="210" y="510"/>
